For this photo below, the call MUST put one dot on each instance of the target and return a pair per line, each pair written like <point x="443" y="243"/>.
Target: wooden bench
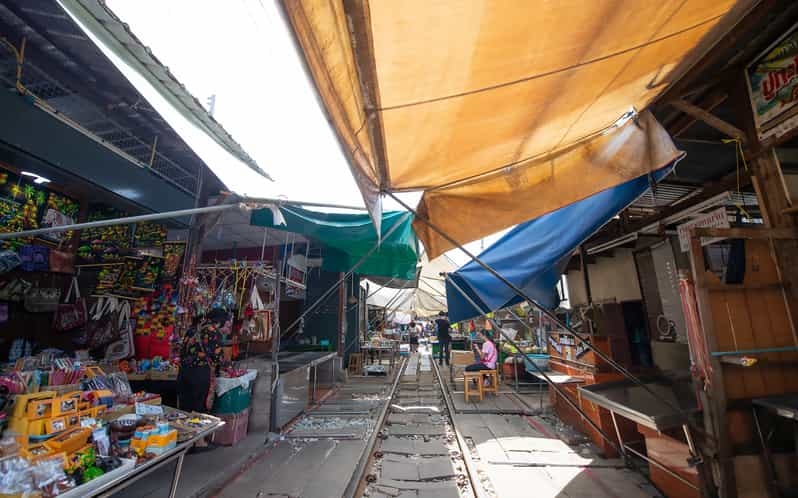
<point x="356" y="363"/>
<point x="459" y="360"/>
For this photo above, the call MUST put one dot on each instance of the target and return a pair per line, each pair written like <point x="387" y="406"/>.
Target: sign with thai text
<point x="713" y="219"/>
<point x="773" y="87"/>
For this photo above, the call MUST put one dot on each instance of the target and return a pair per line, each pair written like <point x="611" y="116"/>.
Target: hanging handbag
<point x="62" y="261"/>
<point x="70" y="315"/>
<point x="42" y="299"/>
<point x="9" y="260"/>
<point x="259" y="326"/>
<point x="34" y="258"/>
<point x="123" y="347"/>
<point x="99" y="330"/>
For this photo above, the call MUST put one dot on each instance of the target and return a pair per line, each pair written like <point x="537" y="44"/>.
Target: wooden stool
<point x="356" y="363"/>
<point x="469" y="388"/>
<point x="493" y="377"/>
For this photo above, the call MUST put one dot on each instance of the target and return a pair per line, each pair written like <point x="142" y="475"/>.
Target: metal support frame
<point x="661" y="467"/>
<point x="772" y="483"/>
<point x="276" y="336"/>
<point x="618" y="434"/>
<point x="169" y="214"/>
<point x="120" y="221"/>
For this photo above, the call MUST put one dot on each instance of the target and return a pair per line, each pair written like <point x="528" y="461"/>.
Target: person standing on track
<point x="412" y="331"/>
<point x="442" y="328"/>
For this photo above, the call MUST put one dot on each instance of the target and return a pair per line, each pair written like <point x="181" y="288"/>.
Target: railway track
<point x="417" y="450"/>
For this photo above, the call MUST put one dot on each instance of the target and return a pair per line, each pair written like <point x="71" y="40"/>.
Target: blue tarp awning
<point x="533" y="255"/>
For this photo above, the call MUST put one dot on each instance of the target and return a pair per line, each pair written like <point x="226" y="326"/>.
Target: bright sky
<point x="244" y="54"/>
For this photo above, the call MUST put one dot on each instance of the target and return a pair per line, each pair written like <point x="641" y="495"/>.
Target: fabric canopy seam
<point x="542" y="157"/>
<point x="554" y="71"/>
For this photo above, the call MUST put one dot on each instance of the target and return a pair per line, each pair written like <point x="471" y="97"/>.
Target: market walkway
<point x="518" y="451"/>
<point x="320" y="455"/>
<point x="418" y="455"/>
<point x="513" y="450"/>
<point x="317" y="458"/>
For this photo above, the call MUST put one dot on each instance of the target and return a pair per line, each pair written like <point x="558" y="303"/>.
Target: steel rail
<point x="470" y="466"/>
<point x="360" y="470"/>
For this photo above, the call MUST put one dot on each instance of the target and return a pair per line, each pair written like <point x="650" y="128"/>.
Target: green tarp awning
<point x="348" y="237"/>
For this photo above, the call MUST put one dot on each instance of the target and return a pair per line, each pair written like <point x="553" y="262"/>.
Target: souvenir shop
<point x="85" y="314"/>
<point x="91" y="316"/>
<point x="93" y="319"/>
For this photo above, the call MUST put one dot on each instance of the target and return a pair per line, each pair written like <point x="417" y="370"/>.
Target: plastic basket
<point x="233" y="401"/>
<point x="233" y="430"/>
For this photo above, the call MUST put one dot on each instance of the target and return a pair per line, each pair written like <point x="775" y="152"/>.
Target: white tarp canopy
<point x="428" y="299"/>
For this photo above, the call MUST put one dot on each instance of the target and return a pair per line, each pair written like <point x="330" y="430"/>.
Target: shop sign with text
<point x="773" y="87"/>
<point x="717" y="218"/>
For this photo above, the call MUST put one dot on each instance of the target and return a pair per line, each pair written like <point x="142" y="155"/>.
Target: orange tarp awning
<point x="428" y="94"/>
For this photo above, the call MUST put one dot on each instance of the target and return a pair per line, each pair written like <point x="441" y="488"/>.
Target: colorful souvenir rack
<point x="25" y="205"/>
<point x="150" y="234"/>
<point x="155" y="318"/>
<point x="173" y="253"/>
<point x="104" y="244"/>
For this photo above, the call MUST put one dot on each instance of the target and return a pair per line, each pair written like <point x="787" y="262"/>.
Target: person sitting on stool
<point x="487" y="356"/>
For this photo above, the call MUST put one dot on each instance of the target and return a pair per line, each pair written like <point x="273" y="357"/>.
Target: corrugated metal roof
<point x="122" y="32"/>
<point x="64" y="68"/>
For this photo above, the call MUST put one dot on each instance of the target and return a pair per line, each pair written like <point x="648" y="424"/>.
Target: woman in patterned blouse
<point x="200" y="357"/>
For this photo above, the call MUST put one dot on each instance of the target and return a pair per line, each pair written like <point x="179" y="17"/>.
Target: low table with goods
<point x="389" y="349"/>
<point x="92" y="438"/>
<point x="133" y="474"/>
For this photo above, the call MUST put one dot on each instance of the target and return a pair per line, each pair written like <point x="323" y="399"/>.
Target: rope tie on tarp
<point x="739" y="158"/>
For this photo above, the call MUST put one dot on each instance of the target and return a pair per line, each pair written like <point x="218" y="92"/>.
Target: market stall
<point x="87" y="438"/>
<point x="667" y="446"/>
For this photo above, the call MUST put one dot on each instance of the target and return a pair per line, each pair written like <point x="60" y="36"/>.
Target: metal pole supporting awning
<point x="167" y="215"/>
